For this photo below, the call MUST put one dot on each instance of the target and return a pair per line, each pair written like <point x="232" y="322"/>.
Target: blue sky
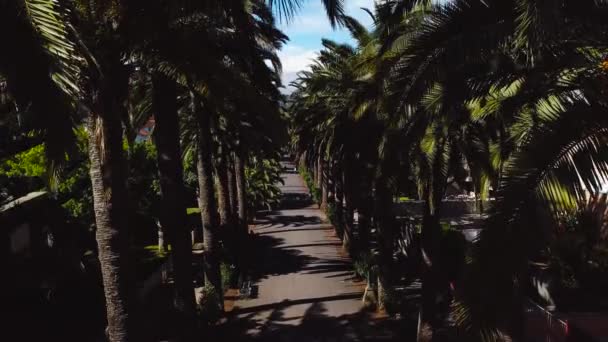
<point x="308" y="28"/>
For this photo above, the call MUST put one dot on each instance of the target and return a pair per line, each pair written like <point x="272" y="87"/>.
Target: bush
<point x="330" y="211"/>
<point x="263" y="177"/>
<point x="363" y="265"/>
<point x="316" y="195"/>
<point x="229" y="275"/>
<point x="578" y="250"/>
<point x="308" y="179"/>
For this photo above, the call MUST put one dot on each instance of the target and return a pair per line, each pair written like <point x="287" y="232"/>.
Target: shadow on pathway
<point x="307" y="290"/>
<point x="315" y="325"/>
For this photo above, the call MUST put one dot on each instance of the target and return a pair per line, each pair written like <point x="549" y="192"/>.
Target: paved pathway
<point x="306" y="290"/>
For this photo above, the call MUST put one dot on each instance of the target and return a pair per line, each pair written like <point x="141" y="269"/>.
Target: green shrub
<point x="363" y="265"/>
<point x="331" y="214"/>
<point x="263" y="177"/>
<point x="316" y="194"/>
<point x="229" y="275"/>
<point x="578" y="249"/>
<point x="310" y="183"/>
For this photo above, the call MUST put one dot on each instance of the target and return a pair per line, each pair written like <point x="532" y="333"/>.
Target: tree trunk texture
<point x="223" y="192"/>
<point x="319" y="170"/>
<point x="385" y="221"/>
<point x="365" y="209"/>
<point x="241" y="189"/>
<point x="162" y="242"/>
<point x="173" y="206"/>
<point x="208" y="204"/>
<point x="431" y="234"/>
<point x="230" y="234"/>
<point x="324" y="194"/>
<point x="328" y="195"/>
<point x="430" y="237"/>
<point x="339" y="197"/>
<point x="242" y="219"/>
<point x="108" y="179"/>
<point x="349" y="208"/>
<point x="432" y="285"/>
<point x="315" y="172"/>
<point x="232" y="192"/>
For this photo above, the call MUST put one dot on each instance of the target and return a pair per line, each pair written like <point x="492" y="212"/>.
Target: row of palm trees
<point x="207" y="71"/>
<point x="510" y="94"/>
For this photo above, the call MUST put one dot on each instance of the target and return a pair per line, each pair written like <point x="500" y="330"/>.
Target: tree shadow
<point x="292" y="198"/>
<point x="321" y="244"/>
<point x="320" y="266"/>
<point x="271" y="259"/>
<point x="275" y="323"/>
<point x="286" y="221"/>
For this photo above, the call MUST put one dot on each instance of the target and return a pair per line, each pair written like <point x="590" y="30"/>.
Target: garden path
<point x="306" y="288"/>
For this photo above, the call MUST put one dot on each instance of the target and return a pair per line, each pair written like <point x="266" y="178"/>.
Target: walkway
<point x="306" y="290"/>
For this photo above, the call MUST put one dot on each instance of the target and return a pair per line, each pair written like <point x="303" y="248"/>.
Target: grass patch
<point x="192" y="211"/>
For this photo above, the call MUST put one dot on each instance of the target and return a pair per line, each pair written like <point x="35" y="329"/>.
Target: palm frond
<point x="287" y="9"/>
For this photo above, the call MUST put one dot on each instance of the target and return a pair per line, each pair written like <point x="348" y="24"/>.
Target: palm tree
<point x="487" y="65"/>
<point x="103" y="46"/>
<point x="40" y="71"/>
<point x="456" y="86"/>
<point x="173" y="206"/>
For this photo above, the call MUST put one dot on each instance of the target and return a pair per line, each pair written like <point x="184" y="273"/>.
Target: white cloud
<point x="295" y="59"/>
<point x="287" y="78"/>
<point x="312" y="23"/>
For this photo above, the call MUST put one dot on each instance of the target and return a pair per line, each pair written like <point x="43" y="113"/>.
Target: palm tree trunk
<point x="239" y="165"/>
<point x="431" y="234"/>
<point x="339" y="196"/>
<point x="364" y="218"/>
<point x="315" y="172"/>
<point x="173" y="207"/>
<point x="349" y="209"/>
<point x="385" y="221"/>
<point x="324" y="187"/>
<point x="430" y="244"/>
<point x="108" y="180"/>
<point x="229" y="232"/>
<point x="207" y="201"/>
<point x="242" y="219"/>
<point x="223" y="192"/>
<point x="319" y="171"/>
<point x="365" y="208"/>
<point x="232" y="192"/>
<point x="328" y="195"/>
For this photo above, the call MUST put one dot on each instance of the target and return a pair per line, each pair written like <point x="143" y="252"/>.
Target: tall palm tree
<point x="488" y="63"/>
<point x="173" y="206"/>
